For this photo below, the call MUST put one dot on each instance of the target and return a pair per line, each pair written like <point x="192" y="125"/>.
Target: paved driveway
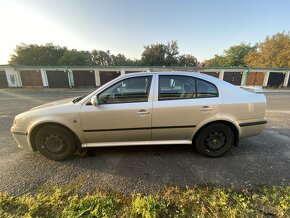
<point x="263" y="159"/>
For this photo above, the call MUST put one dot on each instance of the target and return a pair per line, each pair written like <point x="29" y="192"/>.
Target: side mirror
<point x="94" y="100"/>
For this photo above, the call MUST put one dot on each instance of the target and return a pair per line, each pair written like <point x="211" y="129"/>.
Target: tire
<point x="55" y="142"/>
<point x="214" y="140"/>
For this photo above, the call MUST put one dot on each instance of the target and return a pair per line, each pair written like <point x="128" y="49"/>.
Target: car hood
<point x="54" y="103"/>
<point x="56" y="109"/>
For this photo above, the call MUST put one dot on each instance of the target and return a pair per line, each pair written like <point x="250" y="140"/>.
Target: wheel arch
<point x="226" y="122"/>
<point x="35" y="128"/>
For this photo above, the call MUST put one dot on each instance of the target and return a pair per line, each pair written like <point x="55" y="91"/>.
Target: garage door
<point x="83" y="79"/>
<point x="3" y="80"/>
<point x="234" y="78"/>
<point x="255" y="78"/>
<point x="31" y="78"/>
<point x="214" y="74"/>
<point x="57" y="79"/>
<point x="106" y="76"/>
<point x="276" y="79"/>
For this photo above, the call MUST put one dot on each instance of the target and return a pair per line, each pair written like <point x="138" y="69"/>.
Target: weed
<point x="198" y="201"/>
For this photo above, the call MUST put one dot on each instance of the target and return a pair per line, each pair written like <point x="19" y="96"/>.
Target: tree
<point x="101" y="58"/>
<point x="105" y="58"/>
<point x="32" y="54"/>
<point x="160" y="54"/>
<point x="154" y="55"/>
<point x="119" y="60"/>
<point x="75" y="58"/>
<point x="217" y="61"/>
<point x="234" y="56"/>
<point x="166" y="55"/>
<point x="273" y="52"/>
<point x="171" y="56"/>
<point x="187" y="60"/>
<point x="134" y="62"/>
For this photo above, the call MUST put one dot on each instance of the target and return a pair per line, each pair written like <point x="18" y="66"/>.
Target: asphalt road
<point x="262" y="159"/>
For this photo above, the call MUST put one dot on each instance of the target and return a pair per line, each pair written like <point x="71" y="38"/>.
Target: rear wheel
<point x="214" y="140"/>
<point x="55" y="142"/>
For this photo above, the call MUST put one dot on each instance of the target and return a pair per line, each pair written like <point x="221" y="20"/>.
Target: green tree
<point x="32" y="54"/>
<point x="119" y="60"/>
<point x="234" y="56"/>
<point x="216" y="61"/>
<point x="154" y="55"/>
<point x="75" y="58"/>
<point x="160" y="54"/>
<point x="171" y="56"/>
<point x="105" y="58"/>
<point x="134" y="62"/>
<point x="101" y="58"/>
<point x="273" y="52"/>
<point x="187" y="60"/>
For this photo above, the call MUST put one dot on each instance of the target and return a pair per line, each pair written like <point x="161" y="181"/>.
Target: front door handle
<point x="205" y="108"/>
<point x="143" y="112"/>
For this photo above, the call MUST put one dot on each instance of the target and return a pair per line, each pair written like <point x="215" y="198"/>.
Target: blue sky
<point x="202" y="28"/>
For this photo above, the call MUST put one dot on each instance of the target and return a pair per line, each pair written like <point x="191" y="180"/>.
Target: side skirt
<point x="133" y="143"/>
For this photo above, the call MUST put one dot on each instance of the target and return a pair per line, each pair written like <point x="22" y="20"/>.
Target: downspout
<point x="69" y="77"/>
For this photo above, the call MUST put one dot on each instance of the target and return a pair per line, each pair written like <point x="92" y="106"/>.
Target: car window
<point x="184" y="87"/>
<point x="176" y="87"/>
<point x="205" y="89"/>
<point x="127" y="91"/>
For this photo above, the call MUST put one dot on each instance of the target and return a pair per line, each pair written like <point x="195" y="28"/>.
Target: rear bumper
<point x="21" y="138"/>
<point x="251" y="128"/>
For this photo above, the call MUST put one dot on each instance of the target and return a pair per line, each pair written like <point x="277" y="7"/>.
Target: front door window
<point x="127" y="91"/>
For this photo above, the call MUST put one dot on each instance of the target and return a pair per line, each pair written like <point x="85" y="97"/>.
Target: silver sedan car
<point x="151" y="108"/>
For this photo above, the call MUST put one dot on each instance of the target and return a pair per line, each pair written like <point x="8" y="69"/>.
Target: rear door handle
<point x="143" y="112"/>
<point x="206" y="108"/>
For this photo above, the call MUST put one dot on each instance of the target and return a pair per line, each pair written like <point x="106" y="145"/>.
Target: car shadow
<point x="262" y="159"/>
<point x="255" y="161"/>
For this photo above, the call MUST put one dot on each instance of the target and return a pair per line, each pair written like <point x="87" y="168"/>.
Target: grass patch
<point x="199" y="201"/>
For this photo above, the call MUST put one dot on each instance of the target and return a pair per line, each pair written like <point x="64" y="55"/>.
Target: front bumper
<point x="22" y="139"/>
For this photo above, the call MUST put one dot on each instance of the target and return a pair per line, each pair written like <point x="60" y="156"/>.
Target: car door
<point x="123" y="112"/>
<point x="181" y="104"/>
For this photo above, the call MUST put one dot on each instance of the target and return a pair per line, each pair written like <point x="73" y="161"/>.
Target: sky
<point x="202" y="28"/>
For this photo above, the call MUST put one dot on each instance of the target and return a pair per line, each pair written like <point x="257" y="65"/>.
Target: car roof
<point x="184" y="73"/>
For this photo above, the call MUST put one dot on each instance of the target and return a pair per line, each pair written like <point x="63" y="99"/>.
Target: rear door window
<point x="205" y="89"/>
<point x="175" y="87"/>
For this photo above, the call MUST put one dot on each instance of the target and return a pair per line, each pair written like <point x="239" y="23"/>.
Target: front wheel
<point x="55" y="142"/>
<point x="214" y="140"/>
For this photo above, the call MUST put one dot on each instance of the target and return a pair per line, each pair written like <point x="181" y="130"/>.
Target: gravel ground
<point x="262" y="159"/>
